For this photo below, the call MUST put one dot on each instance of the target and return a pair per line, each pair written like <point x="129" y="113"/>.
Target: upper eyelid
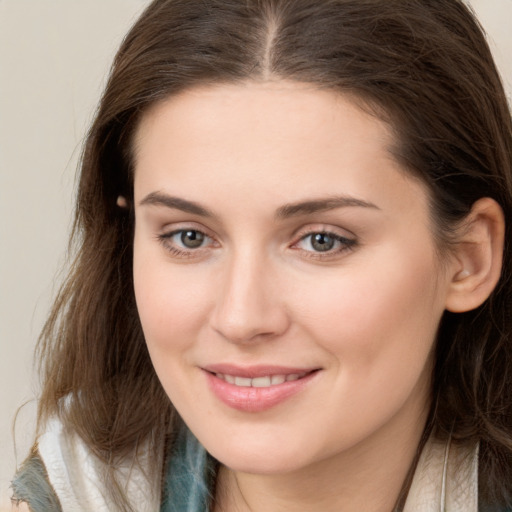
<point x="331" y="234"/>
<point x="299" y="234"/>
<point x="174" y="232"/>
<point x="173" y="228"/>
<point x="344" y="240"/>
<point x="304" y="231"/>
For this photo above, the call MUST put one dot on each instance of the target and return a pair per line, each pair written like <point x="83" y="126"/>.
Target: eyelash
<point x="166" y="240"/>
<point x="344" y="244"/>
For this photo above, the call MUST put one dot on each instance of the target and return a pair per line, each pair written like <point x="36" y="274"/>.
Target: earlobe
<point x="478" y="257"/>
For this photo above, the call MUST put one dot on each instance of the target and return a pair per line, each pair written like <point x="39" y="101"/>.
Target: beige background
<point x="54" y="56"/>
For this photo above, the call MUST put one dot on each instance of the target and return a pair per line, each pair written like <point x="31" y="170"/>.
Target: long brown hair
<point x="422" y="65"/>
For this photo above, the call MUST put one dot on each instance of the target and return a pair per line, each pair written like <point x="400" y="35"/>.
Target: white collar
<point x="77" y="475"/>
<point x="445" y="480"/>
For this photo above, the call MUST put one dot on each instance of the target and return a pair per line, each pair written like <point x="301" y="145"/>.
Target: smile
<point x="257" y="389"/>
<point x="260" y="382"/>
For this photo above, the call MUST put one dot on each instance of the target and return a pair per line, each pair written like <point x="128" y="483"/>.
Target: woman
<point x="292" y="288"/>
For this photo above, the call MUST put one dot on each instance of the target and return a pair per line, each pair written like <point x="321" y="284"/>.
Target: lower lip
<point x="249" y="399"/>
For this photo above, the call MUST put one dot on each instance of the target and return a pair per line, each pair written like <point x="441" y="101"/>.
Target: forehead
<point x="249" y="110"/>
<point x="283" y="139"/>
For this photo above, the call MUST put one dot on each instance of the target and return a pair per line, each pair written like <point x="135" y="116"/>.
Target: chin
<point x="266" y="465"/>
<point x="269" y="459"/>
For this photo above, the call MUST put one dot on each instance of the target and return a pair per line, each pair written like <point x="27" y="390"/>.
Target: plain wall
<point x="54" y="57"/>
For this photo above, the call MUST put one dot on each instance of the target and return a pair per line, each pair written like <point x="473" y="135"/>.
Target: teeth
<point x="242" y="381"/>
<point x="277" y="379"/>
<point x="260" y="382"/>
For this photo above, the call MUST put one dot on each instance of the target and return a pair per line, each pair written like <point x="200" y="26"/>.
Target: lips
<point x="256" y="389"/>
<point x="260" y="382"/>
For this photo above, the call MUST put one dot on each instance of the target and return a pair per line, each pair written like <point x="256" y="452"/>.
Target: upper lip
<point x="256" y="370"/>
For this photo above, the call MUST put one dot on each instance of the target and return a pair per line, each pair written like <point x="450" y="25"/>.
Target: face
<point x="286" y="275"/>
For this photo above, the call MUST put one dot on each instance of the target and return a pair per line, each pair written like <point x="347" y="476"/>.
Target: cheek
<point x="373" y="313"/>
<point x="171" y="303"/>
<point x="378" y="325"/>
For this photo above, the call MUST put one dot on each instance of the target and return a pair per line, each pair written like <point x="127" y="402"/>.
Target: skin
<point x="257" y="292"/>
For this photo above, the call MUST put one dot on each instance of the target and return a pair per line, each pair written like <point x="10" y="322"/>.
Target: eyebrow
<point x="321" y="205"/>
<point x="161" y="199"/>
<point x="284" y="212"/>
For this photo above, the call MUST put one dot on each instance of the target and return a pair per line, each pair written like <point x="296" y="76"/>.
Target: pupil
<point x="322" y="242"/>
<point x="192" y="239"/>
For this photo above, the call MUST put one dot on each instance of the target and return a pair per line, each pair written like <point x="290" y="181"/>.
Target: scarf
<point x="445" y="480"/>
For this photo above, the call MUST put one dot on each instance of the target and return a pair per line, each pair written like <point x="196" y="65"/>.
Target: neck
<point x="368" y="477"/>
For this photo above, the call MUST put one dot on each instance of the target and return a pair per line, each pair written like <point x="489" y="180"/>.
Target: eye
<point x="190" y="238"/>
<point x="184" y="242"/>
<point x="324" y="242"/>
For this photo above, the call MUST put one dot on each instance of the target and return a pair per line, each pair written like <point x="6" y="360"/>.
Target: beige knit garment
<point x="446" y="479"/>
<point x="77" y="478"/>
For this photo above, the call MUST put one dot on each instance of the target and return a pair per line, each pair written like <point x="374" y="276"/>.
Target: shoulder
<point x="65" y="474"/>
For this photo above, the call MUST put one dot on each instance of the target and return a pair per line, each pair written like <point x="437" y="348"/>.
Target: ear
<point x="478" y="257"/>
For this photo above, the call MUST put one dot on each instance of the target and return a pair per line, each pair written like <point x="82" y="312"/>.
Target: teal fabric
<point x="190" y="476"/>
<point x="31" y="486"/>
<point x="188" y="487"/>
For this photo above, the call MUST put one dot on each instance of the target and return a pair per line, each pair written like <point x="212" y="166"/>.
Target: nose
<point x="250" y="306"/>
